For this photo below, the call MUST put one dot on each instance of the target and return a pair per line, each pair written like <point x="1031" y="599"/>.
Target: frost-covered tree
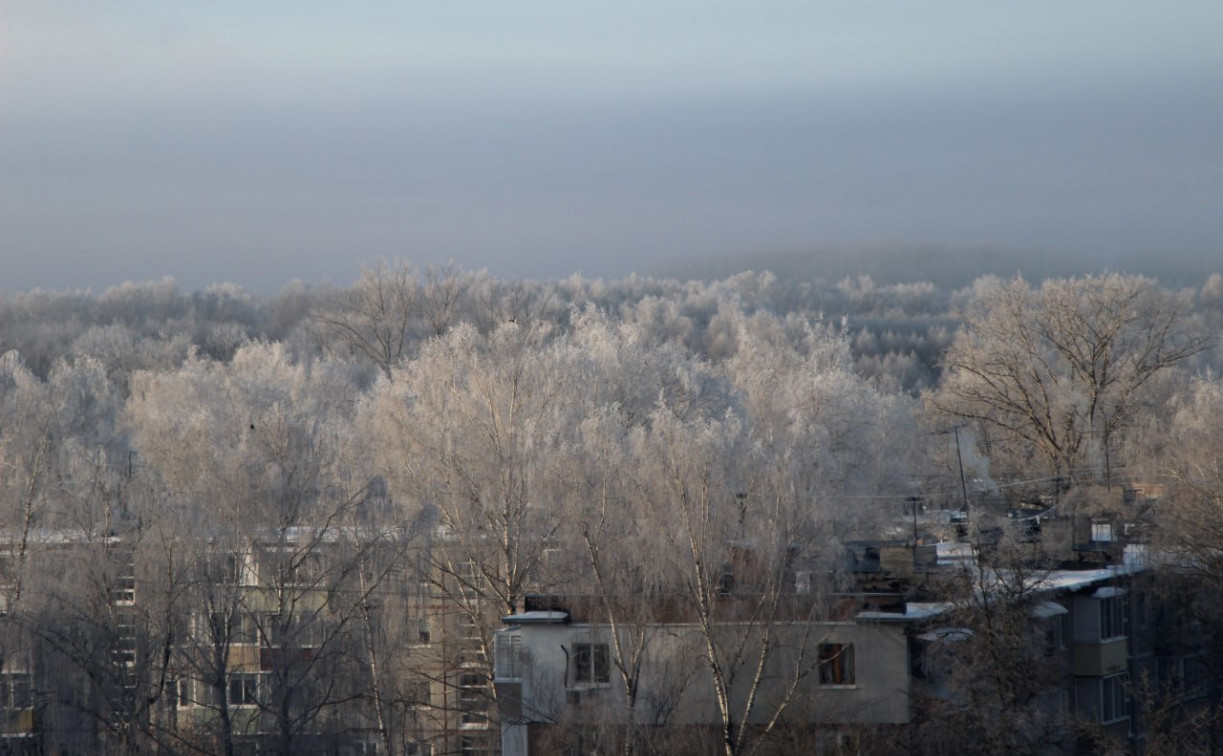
<point x="1054" y="370"/>
<point x="377" y="318"/>
<point x="250" y="451"/>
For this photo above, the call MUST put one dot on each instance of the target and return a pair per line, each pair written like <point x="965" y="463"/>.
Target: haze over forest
<point x="282" y="140"/>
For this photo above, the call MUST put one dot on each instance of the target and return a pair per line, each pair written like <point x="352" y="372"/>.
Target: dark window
<point x="836" y="664"/>
<point x="232" y="569"/>
<point x="472" y="745"/>
<point x="1196" y="675"/>
<point x="591" y="663"/>
<point x="243" y="690"/>
<point x="237" y="629"/>
<point x="473" y="718"/>
<point x="1114" y="699"/>
<point x="1112" y="617"/>
<point x="124" y="591"/>
<point x="15" y="691"/>
<point x="123" y="649"/>
<point x="419" y="693"/>
<point x="179" y="690"/>
<point x="473" y="693"/>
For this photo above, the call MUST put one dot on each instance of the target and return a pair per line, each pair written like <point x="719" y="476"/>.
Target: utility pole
<point x="960" y="458"/>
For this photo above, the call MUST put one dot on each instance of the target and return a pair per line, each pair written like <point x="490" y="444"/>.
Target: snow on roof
<point x="1058" y="581"/>
<point x="537" y="618"/>
<point x="925" y="610"/>
<point x="1047" y="609"/>
<point x="881" y="617"/>
<point x="946" y="635"/>
<point x="1133" y="562"/>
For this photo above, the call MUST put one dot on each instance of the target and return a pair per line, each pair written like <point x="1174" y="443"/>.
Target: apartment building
<point x="303" y="640"/>
<point x="1096" y="651"/>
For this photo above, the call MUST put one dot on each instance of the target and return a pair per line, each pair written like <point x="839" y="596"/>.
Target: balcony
<point x="1100" y="659"/>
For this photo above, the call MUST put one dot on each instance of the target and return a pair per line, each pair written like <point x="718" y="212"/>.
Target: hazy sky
<point x="262" y="141"/>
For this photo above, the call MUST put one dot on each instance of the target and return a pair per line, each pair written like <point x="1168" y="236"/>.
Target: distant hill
<point x="946" y="267"/>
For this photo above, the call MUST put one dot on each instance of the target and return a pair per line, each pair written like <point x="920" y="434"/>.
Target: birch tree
<point x="612" y="545"/>
<point x="466" y="433"/>
<point x="728" y="546"/>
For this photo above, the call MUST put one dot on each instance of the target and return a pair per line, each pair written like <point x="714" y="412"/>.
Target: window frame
<point x="246" y="684"/>
<point x="591" y="663"/>
<point x="16" y="691"/>
<point x="1114" y="624"/>
<point x="836" y="665"/>
<point x="125" y="639"/>
<point x="1114" y="698"/>
<point x="124" y="589"/>
<point x="507" y="650"/>
<point x="180" y="691"/>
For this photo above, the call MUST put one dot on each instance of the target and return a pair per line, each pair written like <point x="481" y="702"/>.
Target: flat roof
<point x="537" y="618"/>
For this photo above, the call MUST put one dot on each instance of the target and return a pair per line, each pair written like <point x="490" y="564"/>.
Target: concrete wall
<point x="676" y="686"/>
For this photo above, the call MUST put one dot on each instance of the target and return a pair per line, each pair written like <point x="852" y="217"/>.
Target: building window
<point x="1052" y="643"/>
<point x="232" y="568"/>
<point x="582" y="742"/>
<point x="473" y="719"/>
<point x="1102" y="531"/>
<point x="243" y="689"/>
<point x="245" y="630"/>
<point x="472" y="693"/>
<point x="468" y="573"/>
<point x="419" y="693"/>
<point x="1114" y="698"/>
<point x="15" y="692"/>
<point x="471" y="640"/>
<point x="591" y="663"/>
<point x="279" y="632"/>
<point x="306" y="571"/>
<point x="473" y="745"/>
<point x="1195" y="675"/>
<point x="1112" y="617"/>
<point x="124" y="591"/>
<point x="236" y="629"/>
<point x="836" y="664"/>
<point x="123" y="648"/>
<point x="473" y="699"/>
<point x="509" y="656"/>
<point x="179" y="691"/>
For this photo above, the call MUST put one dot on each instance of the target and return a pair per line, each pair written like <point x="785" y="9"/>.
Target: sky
<point x="272" y="140"/>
